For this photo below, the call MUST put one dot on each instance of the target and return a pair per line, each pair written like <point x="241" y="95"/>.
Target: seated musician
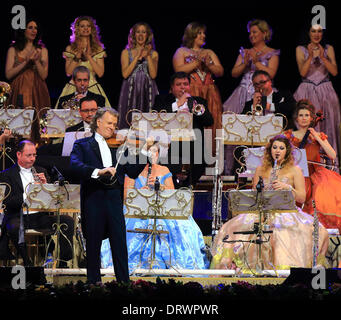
<point x="18" y="177"/>
<point x="179" y="99"/>
<point x="185" y="239"/>
<point x="80" y="76"/>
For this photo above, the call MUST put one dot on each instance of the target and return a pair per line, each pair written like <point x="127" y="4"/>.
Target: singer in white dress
<point x="291" y="242"/>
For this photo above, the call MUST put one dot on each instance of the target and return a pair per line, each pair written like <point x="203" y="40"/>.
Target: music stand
<point x="70" y="138"/>
<point x="55" y="121"/>
<point x="57" y="198"/>
<point x="155" y="204"/>
<point x="19" y="121"/>
<point x="261" y="202"/>
<point x="254" y="158"/>
<point x="242" y="129"/>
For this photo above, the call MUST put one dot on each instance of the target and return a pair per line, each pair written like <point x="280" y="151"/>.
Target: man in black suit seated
<point x="81" y="78"/>
<point x="87" y="109"/>
<point x="180" y="100"/>
<point x="272" y="101"/>
<point x="17" y="178"/>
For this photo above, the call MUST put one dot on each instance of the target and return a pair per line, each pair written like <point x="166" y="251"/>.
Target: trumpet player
<point x="179" y="99"/>
<point x="267" y="99"/>
<point x="81" y="78"/>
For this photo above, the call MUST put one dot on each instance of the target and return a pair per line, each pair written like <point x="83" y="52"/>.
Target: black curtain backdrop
<point x="226" y="32"/>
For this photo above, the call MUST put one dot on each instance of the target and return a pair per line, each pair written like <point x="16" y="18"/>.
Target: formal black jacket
<point x="77" y="127"/>
<point x="15" y="199"/>
<point x="283" y="101"/>
<point x="99" y="99"/>
<point x="165" y="103"/>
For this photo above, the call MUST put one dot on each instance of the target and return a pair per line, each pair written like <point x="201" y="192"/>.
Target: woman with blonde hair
<point x="259" y="57"/>
<point x="290" y="243"/>
<point x="85" y="49"/>
<point x="139" y="65"/>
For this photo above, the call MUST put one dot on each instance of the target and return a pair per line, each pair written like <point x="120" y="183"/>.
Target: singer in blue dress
<point x="184" y="244"/>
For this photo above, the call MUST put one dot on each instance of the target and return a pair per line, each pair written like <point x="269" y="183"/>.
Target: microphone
<point x="157" y="184"/>
<point x="149" y="172"/>
<point x="260" y="184"/>
<point x="60" y="177"/>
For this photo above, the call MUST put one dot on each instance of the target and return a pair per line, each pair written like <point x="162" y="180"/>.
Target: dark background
<point x="226" y="31"/>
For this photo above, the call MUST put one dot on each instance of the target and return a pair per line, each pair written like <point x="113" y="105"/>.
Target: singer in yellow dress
<point x="291" y="243"/>
<point x="85" y="49"/>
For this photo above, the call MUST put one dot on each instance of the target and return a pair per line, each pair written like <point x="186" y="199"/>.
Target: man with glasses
<point x="87" y="109"/>
<point x="271" y="100"/>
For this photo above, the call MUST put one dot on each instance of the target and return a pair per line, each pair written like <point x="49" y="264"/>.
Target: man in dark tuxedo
<point x="87" y="110"/>
<point x="18" y="177"/>
<point x="102" y="193"/>
<point x="179" y="99"/>
<point x="271" y="101"/>
<point x="81" y="78"/>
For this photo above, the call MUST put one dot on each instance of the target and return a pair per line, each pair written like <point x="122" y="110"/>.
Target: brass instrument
<point x="258" y="110"/>
<point x="72" y="103"/>
<point x="5" y="91"/>
<point x="198" y="109"/>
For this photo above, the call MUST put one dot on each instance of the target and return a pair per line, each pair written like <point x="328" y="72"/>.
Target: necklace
<point x="258" y="53"/>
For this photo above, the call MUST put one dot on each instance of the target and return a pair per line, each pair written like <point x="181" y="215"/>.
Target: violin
<point x="117" y="140"/>
<point x="318" y="117"/>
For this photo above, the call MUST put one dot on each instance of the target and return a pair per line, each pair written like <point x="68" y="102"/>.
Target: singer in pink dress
<point x="290" y="244"/>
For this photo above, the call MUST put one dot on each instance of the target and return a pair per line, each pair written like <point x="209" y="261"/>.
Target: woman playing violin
<point x="322" y="185"/>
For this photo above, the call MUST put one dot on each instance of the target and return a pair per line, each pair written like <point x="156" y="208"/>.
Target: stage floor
<point x="60" y="277"/>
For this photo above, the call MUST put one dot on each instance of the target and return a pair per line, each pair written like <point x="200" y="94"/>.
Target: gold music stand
<point x="19" y="121"/>
<point x="264" y="203"/>
<point x="58" y="199"/>
<point x="150" y="204"/>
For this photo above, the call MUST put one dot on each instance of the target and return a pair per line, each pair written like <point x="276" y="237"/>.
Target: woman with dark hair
<point x="315" y="63"/>
<point x="85" y="49"/>
<point x="203" y="65"/>
<point x="323" y="185"/>
<point x="139" y="65"/>
<point x="27" y="69"/>
<point x="290" y="244"/>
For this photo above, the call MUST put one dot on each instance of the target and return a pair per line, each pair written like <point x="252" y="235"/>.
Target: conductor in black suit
<point x="179" y="99"/>
<point x="101" y="194"/>
<point x="81" y="78"/>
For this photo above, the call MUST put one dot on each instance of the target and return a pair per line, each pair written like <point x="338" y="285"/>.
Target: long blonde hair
<point x="95" y="42"/>
<point x="132" y="35"/>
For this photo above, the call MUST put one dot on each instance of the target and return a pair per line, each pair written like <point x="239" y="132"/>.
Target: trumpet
<point x="5" y="91"/>
<point x="198" y="109"/>
<point x="257" y="110"/>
